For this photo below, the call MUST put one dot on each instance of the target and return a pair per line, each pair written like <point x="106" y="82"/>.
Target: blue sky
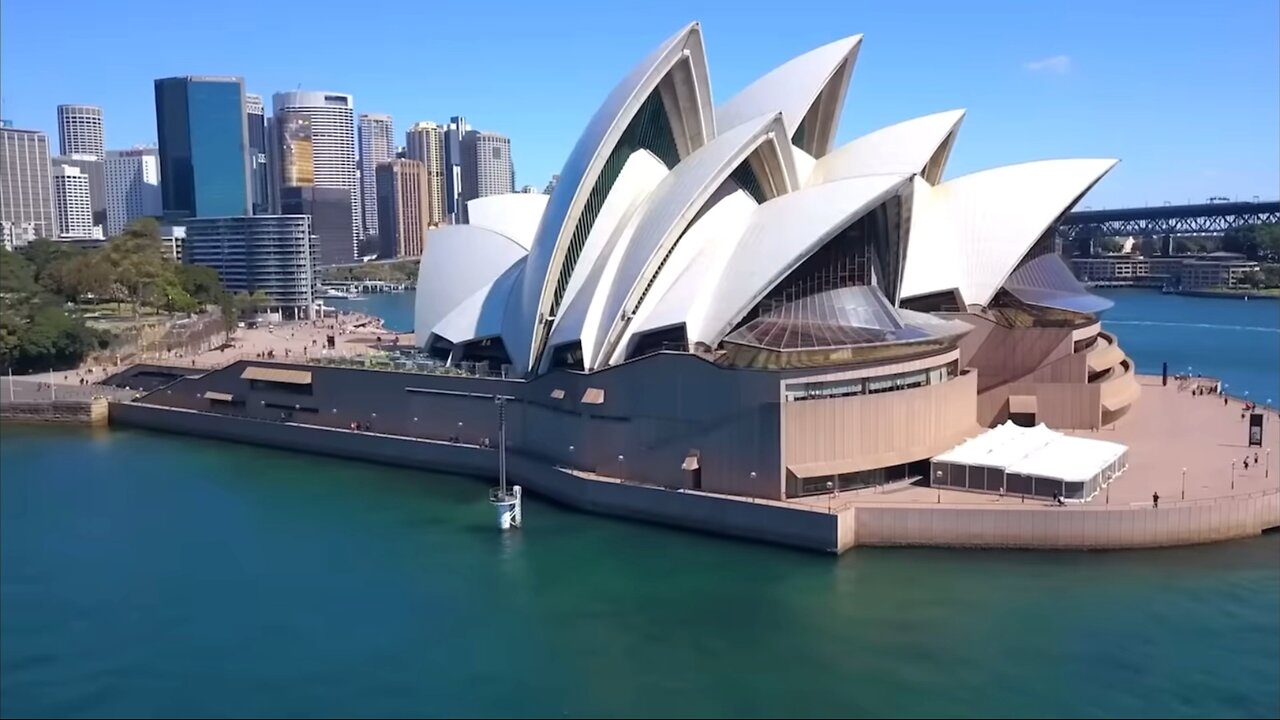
<point x="1186" y="93"/>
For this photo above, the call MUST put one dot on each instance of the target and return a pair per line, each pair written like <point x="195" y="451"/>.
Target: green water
<point x="144" y="575"/>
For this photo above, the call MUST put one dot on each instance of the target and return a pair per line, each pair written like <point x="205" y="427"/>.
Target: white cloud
<point x="1053" y="65"/>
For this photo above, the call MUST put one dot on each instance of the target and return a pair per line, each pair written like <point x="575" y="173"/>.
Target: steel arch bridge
<point x="1199" y="219"/>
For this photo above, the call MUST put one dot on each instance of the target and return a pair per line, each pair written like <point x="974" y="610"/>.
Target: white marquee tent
<point x="1034" y="461"/>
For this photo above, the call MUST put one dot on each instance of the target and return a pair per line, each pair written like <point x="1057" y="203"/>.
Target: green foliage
<point x="401" y="271"/>
<point x="200" y="282"/>
<point x="37" y="333"/>
<point x="17" y="275"/>
<point x="1256" y="242"/>
<point x="137" y="257"/>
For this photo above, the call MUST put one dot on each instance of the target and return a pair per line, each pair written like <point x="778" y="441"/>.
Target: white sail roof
<point x="457" y="261"/>
<point x="918" y="146"/>
<point x="680" y="57"/>
<point x="816" y="80"/>
<point x="671" y="208"/>
<point x="971" y="232"/>
<point x="515" y="215"/>
<point x="481" y="314"/>
<point x="782" y="233"/>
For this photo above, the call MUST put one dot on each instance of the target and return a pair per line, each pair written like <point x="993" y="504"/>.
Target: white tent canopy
<point x="1030" y="461"/>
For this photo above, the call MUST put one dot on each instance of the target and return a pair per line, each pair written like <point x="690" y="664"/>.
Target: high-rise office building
<point x="271" y="253"/>
<point x="133" y="186"/>
<point x="94" y="168"/>
<point x="255" y="118"/>
<point x="71" y="202"/>
<point x="330" y="211"/>
<point x="332" y="132"/>
<point x="377" y="144"/>
<point x="26" y="193"/>
<point x="551" y="184"/>
<point x="297" y="193"/>
<point x="292" y="151"/>
<point x="204" y="147"/>
<point x="486" y="166"/>
<point x="424" y="142"/>
<point x="402" y="208"/>
<point x="80" y="131"/>
<point x="453" y="134"/>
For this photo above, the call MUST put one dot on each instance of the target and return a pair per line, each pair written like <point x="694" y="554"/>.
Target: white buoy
<point x="508" y="506"/>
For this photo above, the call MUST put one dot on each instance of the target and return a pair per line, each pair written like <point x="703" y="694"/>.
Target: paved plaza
<point x="1167" y="430"/>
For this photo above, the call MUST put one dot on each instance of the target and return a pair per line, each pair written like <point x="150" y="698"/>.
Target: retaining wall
<point x="768" y="522"/>
<point x="69" y="412"/>
<point x="1074" y="528"/>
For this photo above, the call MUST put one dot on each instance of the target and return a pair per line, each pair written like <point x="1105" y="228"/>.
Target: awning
<point x="280" y="375"/>
<point x="593" y="396"/>
<point x="690" y="463"/>
<point x="830" y="467"/>
<point x="219" y="396"/>
<point x="1022" y="404"/>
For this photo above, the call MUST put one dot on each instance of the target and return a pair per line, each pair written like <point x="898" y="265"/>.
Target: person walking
<point x="1155" y="500"/>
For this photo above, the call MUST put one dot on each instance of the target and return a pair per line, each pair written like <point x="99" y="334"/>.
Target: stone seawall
<point x="68" y="412"/>
<point x="791" y="524"/>
<point x="776" y="523"/>
<point x="1071" y="528"/>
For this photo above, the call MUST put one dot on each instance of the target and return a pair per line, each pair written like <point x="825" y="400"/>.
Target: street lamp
<point x="1184" y="483"/>
<point x="830" y="494"/>
<point x="938" y="485"/>
<point x="1233" y="474"/>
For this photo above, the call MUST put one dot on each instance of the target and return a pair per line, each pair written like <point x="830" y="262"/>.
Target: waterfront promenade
<point x="1167" y="430"/>
<point x="1172" y="426"/>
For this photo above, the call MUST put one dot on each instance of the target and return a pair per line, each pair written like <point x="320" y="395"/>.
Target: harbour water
<point x="144" y="574"/>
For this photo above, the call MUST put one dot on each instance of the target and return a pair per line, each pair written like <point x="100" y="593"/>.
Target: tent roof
<point x="1037" y="451"/>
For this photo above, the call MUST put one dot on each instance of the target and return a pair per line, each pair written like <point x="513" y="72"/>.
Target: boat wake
<point x="1210" y="326"/>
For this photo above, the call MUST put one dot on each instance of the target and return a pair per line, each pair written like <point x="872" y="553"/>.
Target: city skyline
<point x="1061" y="75"/>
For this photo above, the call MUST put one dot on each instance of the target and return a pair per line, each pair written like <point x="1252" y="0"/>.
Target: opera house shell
<point x="717" y="296"/>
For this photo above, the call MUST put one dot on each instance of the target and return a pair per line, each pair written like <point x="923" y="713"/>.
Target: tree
<point x="229" y="308"/>
<point x="17" y="275"/>
<point x="199" y="282"/>
<point x="138" y="258"/>
<point x="43" y="254"/>
<point x="1256" y="242"/>
<point x="255" y="301"/>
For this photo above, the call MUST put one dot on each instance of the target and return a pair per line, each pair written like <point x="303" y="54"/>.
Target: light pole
<point x="1233" y="474"/>
<point x="830" y="494"/>
<point x="938" y="484"/>
<point x="1184" y="483"/>
<point x="621" y="460"/>
<point x="1266" y="470"/>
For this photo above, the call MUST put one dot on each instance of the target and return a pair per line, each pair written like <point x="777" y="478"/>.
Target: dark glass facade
<point x="330" y="211"/>
<point x="453" y="167"/>
<point x="204" y="147"/>
<point x="258" y="162"/>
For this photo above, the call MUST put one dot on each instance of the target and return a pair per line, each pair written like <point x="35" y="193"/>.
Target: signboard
<point x="1255" y="430"/>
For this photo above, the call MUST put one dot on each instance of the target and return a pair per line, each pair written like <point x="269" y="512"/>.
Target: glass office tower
<point x="204" y="147"/>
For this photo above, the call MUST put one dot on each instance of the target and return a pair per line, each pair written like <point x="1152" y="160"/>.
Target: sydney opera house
<point x="718" y="313"/>
<point x="716" y="296"/>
